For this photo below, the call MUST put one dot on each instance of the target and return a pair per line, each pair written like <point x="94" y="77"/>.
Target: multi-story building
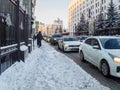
<point x="55" y="27"/>
<point x="41" y="26"/>
<point x="89" y="8"/>
<point x="30" y="9"/>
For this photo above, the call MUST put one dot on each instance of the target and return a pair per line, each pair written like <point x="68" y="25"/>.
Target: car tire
<point x="82" y="56"/>
<point x="51" y="42"/>
<point x="54" y="43"/>
<point x="105" y="70"/>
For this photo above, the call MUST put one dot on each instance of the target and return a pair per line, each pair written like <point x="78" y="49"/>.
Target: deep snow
<point x="47" y="69"/>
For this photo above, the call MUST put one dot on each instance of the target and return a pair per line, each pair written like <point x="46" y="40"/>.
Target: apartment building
<point x="55" y="27"/>
<point x="89" y="8"/>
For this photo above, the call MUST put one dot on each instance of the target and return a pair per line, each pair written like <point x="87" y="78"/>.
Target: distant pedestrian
<point x="39" y="39"/>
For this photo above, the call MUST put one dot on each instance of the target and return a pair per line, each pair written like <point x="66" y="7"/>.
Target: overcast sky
<point x="48" y="10"/>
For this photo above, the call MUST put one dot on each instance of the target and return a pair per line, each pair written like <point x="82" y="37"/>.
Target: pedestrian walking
<point x="39" y="39"/>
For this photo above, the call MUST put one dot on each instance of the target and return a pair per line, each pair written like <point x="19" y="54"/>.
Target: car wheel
<point x="81" y="56"/>
<point x="105" y="68"/>
<point x="51" y="42"/>
<point x="54" y="43"/>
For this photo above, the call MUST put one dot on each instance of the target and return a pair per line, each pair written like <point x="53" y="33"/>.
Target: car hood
<point x="114" y="52"/>
<point x="72" y="42"/>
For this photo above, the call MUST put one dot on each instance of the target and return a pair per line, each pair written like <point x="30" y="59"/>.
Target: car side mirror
<point x="96" y="47"/>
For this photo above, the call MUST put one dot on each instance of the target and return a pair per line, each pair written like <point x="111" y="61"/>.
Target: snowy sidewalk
<point x="47" y="69"/>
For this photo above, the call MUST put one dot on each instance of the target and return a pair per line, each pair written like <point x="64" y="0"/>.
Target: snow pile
<point x="47" y="69"/>
<point x="23" y="48"/>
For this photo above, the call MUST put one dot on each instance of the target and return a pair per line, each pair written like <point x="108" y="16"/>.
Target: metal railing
<point x="7" y="56"/>
<point x="13" y="32"/>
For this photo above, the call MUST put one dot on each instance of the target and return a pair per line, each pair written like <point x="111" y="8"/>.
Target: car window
<point x="59" y="35"/>
<point x="110" y="43"/>
<point x="95" y="42"/>
<point x="88" y="41"/>
<point x="83" y="38"/>
<point x="70" y="39"/>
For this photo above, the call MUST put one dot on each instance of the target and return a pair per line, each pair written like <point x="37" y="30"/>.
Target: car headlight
<point x="66" y="45"/>
<point x="115" y="58"/>
<point x="55" y="39"/>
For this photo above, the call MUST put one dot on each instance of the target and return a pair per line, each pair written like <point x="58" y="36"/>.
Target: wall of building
<point x="53" y="27"/>
<point x="87" y="7"/>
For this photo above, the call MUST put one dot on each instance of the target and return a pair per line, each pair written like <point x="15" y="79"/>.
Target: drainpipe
<point x="17" y="28"/>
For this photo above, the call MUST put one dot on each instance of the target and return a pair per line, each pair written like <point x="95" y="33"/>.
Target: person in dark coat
<point x="39" y="38"/>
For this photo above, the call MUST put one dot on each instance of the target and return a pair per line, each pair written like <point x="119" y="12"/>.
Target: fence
<point x="13" y="30"/>
<point x="108" y="31"/>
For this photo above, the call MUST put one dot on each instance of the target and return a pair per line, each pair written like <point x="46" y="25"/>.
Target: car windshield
<point x="110" y="43"/>
<point x="59" y="35"/>
<point x="70" y="39"/>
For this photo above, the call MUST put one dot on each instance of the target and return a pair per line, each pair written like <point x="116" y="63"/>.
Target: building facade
<point x="15" y="24"/>
<point x="55" y="27"/>
<point x="89" y="8"/>
<point x="30" y="9"/>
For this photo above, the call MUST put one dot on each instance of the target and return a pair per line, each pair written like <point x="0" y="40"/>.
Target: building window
<point x="119" y="7"/>
<point x="96" y="4"/>
<point x="104" y="7"/>
<point x="104" y="1"/>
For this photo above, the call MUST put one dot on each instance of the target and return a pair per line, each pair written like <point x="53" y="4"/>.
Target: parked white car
<point x="69" y="44"/>
<point x="103" y="52"/>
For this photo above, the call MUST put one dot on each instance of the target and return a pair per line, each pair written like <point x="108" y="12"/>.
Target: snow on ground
<point x="47" y="69"/>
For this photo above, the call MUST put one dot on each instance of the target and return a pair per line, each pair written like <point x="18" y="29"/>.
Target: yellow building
<point x="41" y="27"/>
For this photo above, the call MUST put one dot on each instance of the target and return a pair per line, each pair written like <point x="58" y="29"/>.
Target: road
<point x="112" y="82"/>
